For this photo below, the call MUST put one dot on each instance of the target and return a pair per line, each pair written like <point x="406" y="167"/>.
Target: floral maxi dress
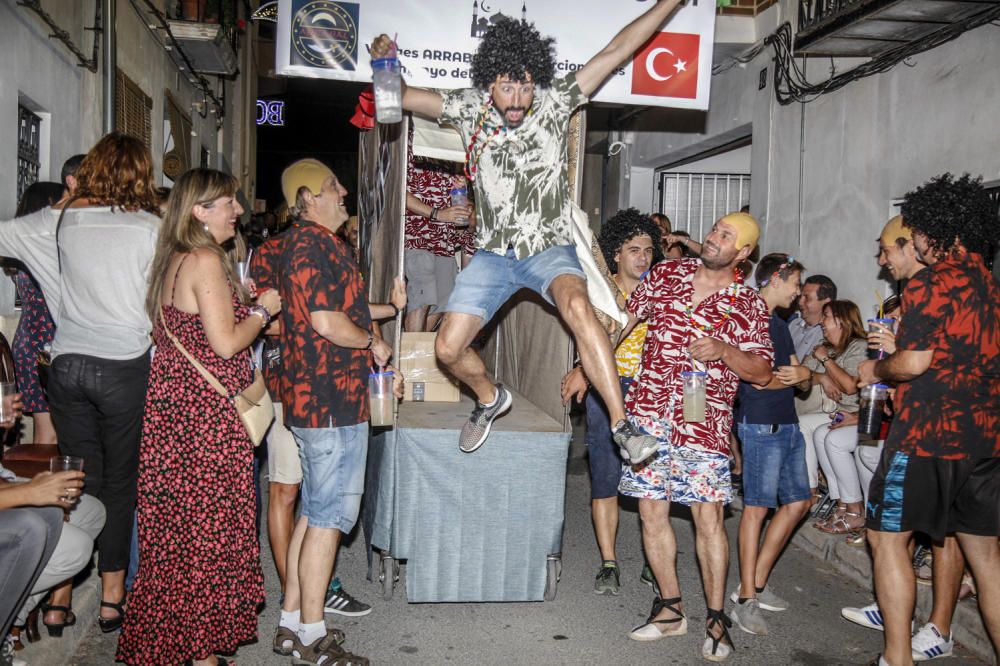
<point x="200" y="582"/>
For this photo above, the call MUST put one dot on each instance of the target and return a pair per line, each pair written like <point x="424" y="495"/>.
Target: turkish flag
<point x="667" y="66"/>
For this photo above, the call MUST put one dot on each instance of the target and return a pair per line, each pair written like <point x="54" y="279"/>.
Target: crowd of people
<point x="158" y="314"/>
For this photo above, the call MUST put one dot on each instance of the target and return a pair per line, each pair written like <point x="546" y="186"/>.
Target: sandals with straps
<point x="109" y="624"/>
<point x="717" y="649"/>
<point x="285" y="635"/>
<point x="650" y="630"/>
<point x="841" y="524"/>
<point x="328" y="647"/>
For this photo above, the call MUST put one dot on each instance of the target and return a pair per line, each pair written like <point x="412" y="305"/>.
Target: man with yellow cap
<point x="704" y="325"/>
<point x="327" y="350"/>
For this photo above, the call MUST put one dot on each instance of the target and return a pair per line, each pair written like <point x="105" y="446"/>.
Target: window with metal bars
<point x="133" y="109"/>
<point x="694" y="201"/>
<point x="29" y="158"/>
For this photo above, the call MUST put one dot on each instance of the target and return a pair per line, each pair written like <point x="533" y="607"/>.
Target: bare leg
<point x="280" y="522"/>
<point x="983" y="555"/>
<point x="452" y="348"/>
<point x="319" y="553"/>
<point x="432" y="321"/>
<point x="712" y="546"/>
<point x="570" y="295"/>
<point x="948" y="565"/>
<point x="778" y="533"/>
<point x="894" y="589"/>
<point x="661" y="549"/>
<point x="292" y="586"/>
<point x="751" y="524"/>
<point x="44" y="431"/>
<point x="605" y="514"/>
<point x="416" y="319"/>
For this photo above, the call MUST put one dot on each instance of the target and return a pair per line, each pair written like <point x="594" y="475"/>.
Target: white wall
<point x="825" y="197"/>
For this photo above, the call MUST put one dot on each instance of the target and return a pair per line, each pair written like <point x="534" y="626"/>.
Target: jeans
<point x="333" y="474"/>
<point x="774" y="465"/>
<point x="28" y="536"/>
<point x="97" y="407"/>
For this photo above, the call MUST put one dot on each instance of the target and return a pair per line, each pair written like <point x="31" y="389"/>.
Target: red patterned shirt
<point x="662" y="299"/>
<point x="433" y="187"/>
<point x="328" y="384"/>
<point x="952" y="410"/>
<point x="264" y="272"/>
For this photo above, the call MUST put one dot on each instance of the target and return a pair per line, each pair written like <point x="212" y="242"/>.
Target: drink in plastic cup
<point x="871" y="402"/>
<point x="380" y="398"/>
<point x="66" y="464"/>
<point x="7" y="391"/>
<point x="388" y="90"/>
<point x="694" y="396"/>
<point x="886" y="322"/>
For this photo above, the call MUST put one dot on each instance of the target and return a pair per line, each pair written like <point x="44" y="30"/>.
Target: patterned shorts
<point x="677" y="473"/>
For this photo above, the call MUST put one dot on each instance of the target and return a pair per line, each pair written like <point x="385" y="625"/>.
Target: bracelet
<point x="371" y="339"/>
<point x="261" y="312"/>
<point x="395" y="310"/>
<point x="825" y="361"/>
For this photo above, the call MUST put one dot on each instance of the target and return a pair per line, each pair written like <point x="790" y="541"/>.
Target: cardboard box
<point x="426" y="380"/>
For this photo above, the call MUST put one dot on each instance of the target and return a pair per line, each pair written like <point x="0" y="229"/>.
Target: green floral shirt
<point x="522" y="186"/>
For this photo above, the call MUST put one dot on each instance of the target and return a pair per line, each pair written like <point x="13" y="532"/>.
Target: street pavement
<point x="579" y="627"/>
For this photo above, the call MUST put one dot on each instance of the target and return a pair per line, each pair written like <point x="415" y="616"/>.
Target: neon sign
<point x="270" y="112"/>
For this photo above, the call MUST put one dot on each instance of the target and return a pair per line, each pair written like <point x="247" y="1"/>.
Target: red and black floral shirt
<point x="736" y="315"/>
<point x="327" y="384"/>
<point x="953" y="409"/>
<point x="264" y="272"/>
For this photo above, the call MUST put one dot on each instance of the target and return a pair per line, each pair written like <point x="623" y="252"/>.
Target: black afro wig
<point x="513" y="47"/>
<point x="945" y="209"/>
<point x="623" y="226"/>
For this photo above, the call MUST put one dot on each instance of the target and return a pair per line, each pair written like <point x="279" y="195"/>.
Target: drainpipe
<point x="109" y="62"/>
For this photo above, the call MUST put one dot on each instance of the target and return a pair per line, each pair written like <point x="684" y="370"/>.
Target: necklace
<point x="474" y="152"/>
<point x="733" y="291"/>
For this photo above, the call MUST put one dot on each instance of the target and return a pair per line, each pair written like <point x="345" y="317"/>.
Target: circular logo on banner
<point x="325" y="34"/>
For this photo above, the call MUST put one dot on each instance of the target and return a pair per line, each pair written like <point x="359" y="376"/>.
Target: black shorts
<point x="934" y="496"/>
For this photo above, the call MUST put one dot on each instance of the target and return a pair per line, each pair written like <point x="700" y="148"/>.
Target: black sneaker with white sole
<point x="477" y="428"/>
<point x="342" y="603"/>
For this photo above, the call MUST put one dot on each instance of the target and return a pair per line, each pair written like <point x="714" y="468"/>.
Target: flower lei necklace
<point x="733" y="291"/>
<point x="475" y="150"/>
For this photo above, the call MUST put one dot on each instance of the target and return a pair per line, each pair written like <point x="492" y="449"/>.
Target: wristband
<point x="434" y="213"/>
<point x="261" y="312"/>
<point x="371" y="339"/>
<point x="395" y="310"/>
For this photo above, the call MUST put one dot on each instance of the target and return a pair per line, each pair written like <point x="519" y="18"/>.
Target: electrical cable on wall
<point x="791" y="85"/>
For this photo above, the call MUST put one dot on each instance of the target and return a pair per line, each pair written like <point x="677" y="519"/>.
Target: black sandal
<point x="109" y="624"/>
<point x="55" y="629"/>
<point x="710" y="649"/>
<point x="650" y="632"/>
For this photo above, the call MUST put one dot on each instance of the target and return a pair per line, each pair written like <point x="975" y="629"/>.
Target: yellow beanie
<point x="747" y="229"/>
<point x="895" y="229"/>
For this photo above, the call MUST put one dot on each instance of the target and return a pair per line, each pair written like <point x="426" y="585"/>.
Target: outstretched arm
<point x="624" y="44"/>
<point x="425" y="102"/>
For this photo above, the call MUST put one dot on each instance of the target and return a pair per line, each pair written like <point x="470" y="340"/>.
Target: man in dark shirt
<point x="940" y="469"/>
<point x="774" y="455"/>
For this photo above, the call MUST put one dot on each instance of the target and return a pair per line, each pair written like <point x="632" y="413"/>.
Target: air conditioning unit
<point x="206" y="45"/>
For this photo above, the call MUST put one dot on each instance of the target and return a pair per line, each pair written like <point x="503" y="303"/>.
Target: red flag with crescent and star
<point x="667" y="66"/>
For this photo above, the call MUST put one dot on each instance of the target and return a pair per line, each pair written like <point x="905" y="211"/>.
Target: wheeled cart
<point x="481" y="526"/>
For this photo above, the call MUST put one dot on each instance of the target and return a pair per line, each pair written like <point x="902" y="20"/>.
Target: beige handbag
<point x="253" y="403"/>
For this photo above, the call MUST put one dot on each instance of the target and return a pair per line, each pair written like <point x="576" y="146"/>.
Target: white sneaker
<point x="767" y="599"/>
<point x="867" y="616"/>
<point x="928" y="643"/>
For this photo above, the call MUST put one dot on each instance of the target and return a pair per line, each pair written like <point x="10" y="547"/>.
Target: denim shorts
<point x="602" y="452"/>
<point x="774" y="465"/>
<point x="491" y="279"/>
<point x="333" y="474"/>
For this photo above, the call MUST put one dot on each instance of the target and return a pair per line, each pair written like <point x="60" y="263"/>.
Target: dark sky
<point x="317" y="115"/>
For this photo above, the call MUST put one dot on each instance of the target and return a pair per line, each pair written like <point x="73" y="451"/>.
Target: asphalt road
<point x="579" y="627"/>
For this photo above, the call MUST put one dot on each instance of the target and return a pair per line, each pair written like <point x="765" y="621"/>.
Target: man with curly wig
<point x="515" y="123"/>
<point x="940" y="468"/>
<point x="630" y="243"/>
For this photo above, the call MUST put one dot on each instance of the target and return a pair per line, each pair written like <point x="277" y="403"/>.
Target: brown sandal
<point x="284" y="634"/>
<point x="310" y="655"/>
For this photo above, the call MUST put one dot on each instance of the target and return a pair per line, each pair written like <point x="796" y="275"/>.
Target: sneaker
<point x="867" y="616"/>
<point x="339" y="601"/>
<point x="928" y="643"/>
<point x="638" y="445"/>
<point x="7" y="657"/>
<point x="749" y="618"/>
<point x="608" y="578"/>
<point x="477" y="428"/>
<point x="767" y="599"/>
<point x="648" y="578"/>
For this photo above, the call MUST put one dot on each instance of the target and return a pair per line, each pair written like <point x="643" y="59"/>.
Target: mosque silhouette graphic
<point x="480" y="24"/>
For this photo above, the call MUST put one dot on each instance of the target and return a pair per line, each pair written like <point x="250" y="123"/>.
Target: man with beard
<point x="515" y="124"/>
<point x="701" y="318"/>
<point x="940" y="468"/>
<point x="630" y="243"/>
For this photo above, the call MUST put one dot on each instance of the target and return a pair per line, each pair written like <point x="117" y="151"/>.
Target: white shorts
<point x="283" y="465"/>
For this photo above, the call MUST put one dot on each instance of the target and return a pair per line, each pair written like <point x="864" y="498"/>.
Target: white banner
<point x="437" y="38"/>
